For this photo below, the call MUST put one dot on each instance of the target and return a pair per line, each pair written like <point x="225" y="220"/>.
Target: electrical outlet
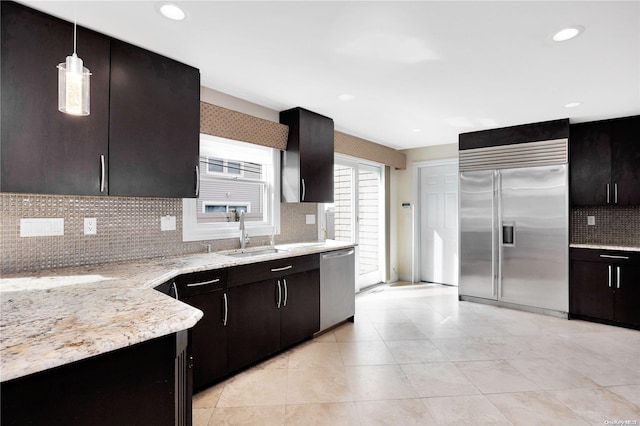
<point x="310" y="219"/>
<point x="591" y="220"/>
<point x="90" y="226"/>
<point x="167" y="223"/>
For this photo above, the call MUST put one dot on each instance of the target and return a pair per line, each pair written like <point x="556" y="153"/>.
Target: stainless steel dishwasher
<point x="337" y="287"/>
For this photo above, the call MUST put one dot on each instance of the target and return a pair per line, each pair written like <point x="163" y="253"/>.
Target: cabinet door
<point x="253" y="324"/>
<point x="209" y="339"/>
<point x="300" y="312"/>
<point x="590" y="163"/>
<point x="591" y="293"/>
<point x="316" y="157"/>
<point x="627" y="295"/>
<point x="43" y="149"/>
<point x="307" y="164"/>
<point x="154" y="124"/>
<point x="625" y="161"/>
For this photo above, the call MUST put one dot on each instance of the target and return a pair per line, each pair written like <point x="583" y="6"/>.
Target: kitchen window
<point x="238" y="177"/>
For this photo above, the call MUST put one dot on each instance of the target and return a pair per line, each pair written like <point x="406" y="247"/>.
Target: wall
<point x="618" y="226"/>
<point x="128" y="228"/>
<point x="405" y="184"/>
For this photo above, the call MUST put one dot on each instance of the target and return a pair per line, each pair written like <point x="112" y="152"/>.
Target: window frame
<point x="192" y="230"/>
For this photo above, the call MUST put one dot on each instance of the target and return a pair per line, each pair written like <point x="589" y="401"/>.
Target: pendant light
<point x="73" y="83"/>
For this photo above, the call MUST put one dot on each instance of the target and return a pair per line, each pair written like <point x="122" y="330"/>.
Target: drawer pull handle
<point x="617" y="277"/>
<point x="217" y="280"/>
<point x="611" y="256"/>
<point x="279" y="295"/>
<point x="284" y="268"/>
<point x="609" y="275"/>
<point x="175" y="289"/>
<point x="226" y="309"/>
<point x="286" y="290"/>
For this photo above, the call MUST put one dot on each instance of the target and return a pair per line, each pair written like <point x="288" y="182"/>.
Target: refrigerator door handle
<point x="494" y="269"/>
<point x="500" y="240"/>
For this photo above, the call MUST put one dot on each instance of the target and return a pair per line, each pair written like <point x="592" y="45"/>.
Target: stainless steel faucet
<point x="244" y="235"/>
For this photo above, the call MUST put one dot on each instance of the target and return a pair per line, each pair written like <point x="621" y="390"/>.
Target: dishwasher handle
<point x="338" y="254"/>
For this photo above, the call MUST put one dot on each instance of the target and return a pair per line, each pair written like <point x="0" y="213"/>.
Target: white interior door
<point x="357" y="216"/>
<point x="438" y="223"/>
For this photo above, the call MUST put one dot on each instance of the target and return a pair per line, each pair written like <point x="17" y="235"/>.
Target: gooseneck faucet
<point x="244" y="235"/>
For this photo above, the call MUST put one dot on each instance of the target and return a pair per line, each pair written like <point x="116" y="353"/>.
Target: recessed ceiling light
<point x="573" y="104"/>
<point x="568" y="33"/>
<point x="346" y="97"/>
<point x="416" y="130"/>
<point x="173" y="12"/>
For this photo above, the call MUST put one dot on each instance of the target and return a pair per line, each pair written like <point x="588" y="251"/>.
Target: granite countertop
<point x="604" y="247"/>
<point x="54" y="317"/>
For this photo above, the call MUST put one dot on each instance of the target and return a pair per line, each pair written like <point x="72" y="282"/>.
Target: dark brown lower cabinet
<point x="605" y="286"/>
<point x="209" y="338"/>
<point x="274" y="313"/>
<point x="144" y="384"/>
<point x="300" y="315"/>
<point x="254" y="323"/>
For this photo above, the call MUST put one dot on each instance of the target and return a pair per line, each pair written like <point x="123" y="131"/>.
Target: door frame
<point x="355" y="163"/>
<point x="416" y="248"/>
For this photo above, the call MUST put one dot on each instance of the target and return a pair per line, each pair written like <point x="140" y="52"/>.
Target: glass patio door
<point x="357" y="216"/>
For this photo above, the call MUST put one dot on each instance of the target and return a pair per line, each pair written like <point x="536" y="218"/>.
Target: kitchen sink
<point x="251" y="253"/>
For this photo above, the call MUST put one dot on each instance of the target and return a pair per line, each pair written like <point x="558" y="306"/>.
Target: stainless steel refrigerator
<point x="514" y="229"/>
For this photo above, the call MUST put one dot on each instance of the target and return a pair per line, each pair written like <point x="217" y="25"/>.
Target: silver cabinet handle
<point x="304" y="190"/>
<point x="279" y="295"/>
<point x="611" y="256"/>
<point x="175" y="289"/>
<point x="102" y="172"/>
<point x="217" y="280"/>
<point x="617" y="277"/>
<point x="284" y="268"/>
<point x="286" y="291"/>
<point x="615" y="193"/>
<point x="608" y="194"/>
<point x="226" y="309"/>
<point x="609" y="276"/>
<point x="197" y="180"/>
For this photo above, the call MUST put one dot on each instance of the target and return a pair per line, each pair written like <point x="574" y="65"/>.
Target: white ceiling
<point x="442" y="67"/>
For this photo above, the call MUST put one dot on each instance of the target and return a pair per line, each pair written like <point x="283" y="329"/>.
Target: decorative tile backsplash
<point x="128" y="228"/>
<point x="617" y="225"/>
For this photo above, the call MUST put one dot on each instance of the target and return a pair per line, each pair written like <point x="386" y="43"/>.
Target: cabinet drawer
<point x="201" y="282"/>
<point x="607" y="256"/>
<point x="254" y="272"/>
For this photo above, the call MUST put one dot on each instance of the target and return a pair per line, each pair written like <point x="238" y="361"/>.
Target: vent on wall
<point x="517" y="155"/>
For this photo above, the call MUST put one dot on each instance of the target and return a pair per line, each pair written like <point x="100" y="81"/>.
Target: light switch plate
<point x="41" y="227"/>
<point x="167" y="223"/>
<point x="591" y="220"/>
<point x="311" y="219"/>
<point x="90" y="226"/>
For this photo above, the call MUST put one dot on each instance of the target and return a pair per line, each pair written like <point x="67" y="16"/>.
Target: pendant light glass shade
<point x="73" y="84"/>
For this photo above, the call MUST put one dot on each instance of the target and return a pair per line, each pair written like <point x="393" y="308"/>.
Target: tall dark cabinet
<point x="154" y="124"/>
<point x="307" y="164"/>
<point x="141" y="137"/>
<point x="44" y="150"/>
<point x="604" y="158"/>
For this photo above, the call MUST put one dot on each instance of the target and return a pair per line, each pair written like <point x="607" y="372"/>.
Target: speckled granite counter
<point x="604" y="247"/>
<point x="55" y="317"/>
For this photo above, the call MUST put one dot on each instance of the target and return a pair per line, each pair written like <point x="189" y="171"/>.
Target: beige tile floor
<point x="418" y="356"/>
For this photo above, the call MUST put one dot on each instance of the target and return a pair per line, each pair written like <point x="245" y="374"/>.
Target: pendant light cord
<point x="75" y="26"/>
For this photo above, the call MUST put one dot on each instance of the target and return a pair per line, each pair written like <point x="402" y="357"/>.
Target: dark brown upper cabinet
<point x="141" y="137"/>
<point x="307" y="164"/>
<point x="603" y="160"/>
<point x="154" y="124"/>
<point x="43" y="149"/>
